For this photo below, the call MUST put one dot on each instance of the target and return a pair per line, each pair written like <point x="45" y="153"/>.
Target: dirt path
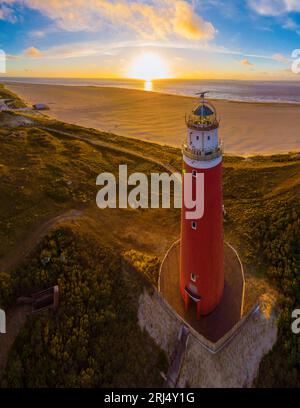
<point x="112" y="147"/>
<point x="15" y="257"/>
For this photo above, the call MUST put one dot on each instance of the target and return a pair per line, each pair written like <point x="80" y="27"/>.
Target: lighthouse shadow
<point x="229" y="311"/>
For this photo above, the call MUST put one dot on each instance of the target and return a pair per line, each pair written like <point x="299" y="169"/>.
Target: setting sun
<point x="149" y="66"/>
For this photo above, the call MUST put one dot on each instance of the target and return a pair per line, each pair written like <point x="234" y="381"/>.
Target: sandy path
<point x="16" y="256"/>
<point x="115" y="148"/>
<point x="246" y="128"/>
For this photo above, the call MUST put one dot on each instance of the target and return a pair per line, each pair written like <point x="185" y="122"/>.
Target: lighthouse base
<point x="229" y="311"/>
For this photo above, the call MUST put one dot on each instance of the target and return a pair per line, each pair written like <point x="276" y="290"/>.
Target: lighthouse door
<point x="192" y="292"/>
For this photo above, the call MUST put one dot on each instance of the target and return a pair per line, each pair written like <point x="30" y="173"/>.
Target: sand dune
<point x="246" y="128"/>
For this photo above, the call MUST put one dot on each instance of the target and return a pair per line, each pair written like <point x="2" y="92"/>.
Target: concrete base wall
<point x="157" y="319"/>
<point x="235" y="365"/>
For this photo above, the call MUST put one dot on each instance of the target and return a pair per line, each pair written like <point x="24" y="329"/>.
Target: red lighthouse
<point x="202" y="252"/>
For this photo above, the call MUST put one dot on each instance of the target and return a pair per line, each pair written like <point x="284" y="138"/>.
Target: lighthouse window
<point x="193" y="277"/>
<point x="194" y="225"/>
<point x="197" y="137"/>
<point x="208" y="137"/>
<point x="194" y="173"/>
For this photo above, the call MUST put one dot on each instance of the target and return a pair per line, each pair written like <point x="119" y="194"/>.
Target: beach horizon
<point x="248" y="128"/>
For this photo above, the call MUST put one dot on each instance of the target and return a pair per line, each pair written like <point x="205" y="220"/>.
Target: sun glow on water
<point x="148" y="86"/>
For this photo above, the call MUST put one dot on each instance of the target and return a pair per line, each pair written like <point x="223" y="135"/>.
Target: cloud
<point x="10" y="57"/>
<point x="290" y="24"/>
<point x="274" y="7"/>
<point x="189" y="25"/>
<point x="246" y="62"/>
<point x="97" y="48"/>
<point x="33" y="52"/>
<point x="37" y="34"/>
<point x="279" y="9"/>
<point x="280" y="58"/>
<point x="152" y="19"/>
<point x="7" y="13"/>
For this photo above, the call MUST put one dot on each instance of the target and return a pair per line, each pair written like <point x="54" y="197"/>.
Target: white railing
<point x="202" y="154"/>
<point x="194" y="122"/>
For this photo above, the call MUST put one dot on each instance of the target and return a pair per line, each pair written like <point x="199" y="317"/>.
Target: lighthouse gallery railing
<point x="202" y="155"/>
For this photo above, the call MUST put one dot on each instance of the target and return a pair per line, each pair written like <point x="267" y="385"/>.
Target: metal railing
<point x="201" y="124"/>
<point x="202" y="155"/>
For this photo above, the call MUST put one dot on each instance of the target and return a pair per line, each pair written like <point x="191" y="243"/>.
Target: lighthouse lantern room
<point x="202" y="252"/>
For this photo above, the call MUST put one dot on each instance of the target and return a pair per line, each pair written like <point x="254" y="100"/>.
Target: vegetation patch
<point x="145" y="264"/>
<point x="94" y="339"/>
<point x="15" y="101"/>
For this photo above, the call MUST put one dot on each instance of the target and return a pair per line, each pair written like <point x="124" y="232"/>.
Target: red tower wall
<point x="202" y="251"/>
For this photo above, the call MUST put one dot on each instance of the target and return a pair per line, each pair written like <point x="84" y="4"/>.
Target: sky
<point x="148" y="39"/>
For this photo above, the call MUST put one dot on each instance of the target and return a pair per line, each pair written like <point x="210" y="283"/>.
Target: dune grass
<point x="16" y="101"/>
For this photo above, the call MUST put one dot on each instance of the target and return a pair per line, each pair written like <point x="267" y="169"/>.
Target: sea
<point x="244" y="91"/>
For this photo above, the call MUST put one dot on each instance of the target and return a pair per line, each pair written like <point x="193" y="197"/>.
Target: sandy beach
<point x="246" y="128"/>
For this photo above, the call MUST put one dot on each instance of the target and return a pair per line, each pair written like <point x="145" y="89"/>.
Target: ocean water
<point x="246" y="91"/>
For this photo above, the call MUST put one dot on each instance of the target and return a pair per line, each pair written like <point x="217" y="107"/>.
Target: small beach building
<point x="41" y="106"/>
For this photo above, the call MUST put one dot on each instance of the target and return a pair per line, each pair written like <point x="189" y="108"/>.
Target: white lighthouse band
<point x="198" y="164"/>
